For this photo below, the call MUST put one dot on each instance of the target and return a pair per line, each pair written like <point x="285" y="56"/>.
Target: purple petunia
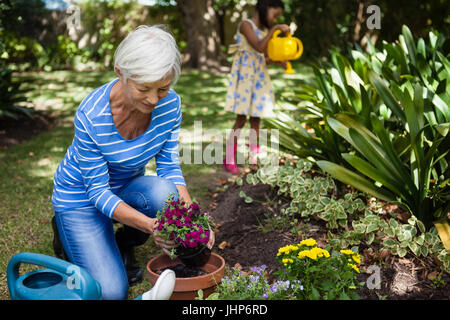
<point x="188" y="226"/>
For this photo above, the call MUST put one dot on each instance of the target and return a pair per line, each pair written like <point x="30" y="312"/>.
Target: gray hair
<point x="148" y="54"/>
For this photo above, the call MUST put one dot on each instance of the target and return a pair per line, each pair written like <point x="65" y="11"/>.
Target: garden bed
<point x="244" y="244"/>
<point x="15" y="131"/>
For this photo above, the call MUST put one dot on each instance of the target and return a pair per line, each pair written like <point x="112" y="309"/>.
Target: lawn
<point x="27" y="169"/>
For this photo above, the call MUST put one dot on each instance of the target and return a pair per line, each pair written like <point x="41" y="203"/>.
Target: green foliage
<point x="394" y="236"/>
<point x="400" y="161"/>
<point x="326" y="23"/>
<point x="353" y="221"/>
<point x="311" y="195"/>
<point x="22" y="53"/>
<point x="323" y="275"/>
<point x="63" y="54"/>
<point x="384" y="114"/>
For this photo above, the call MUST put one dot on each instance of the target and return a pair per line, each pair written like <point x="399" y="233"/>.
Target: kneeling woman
<point x="119" y="127"/>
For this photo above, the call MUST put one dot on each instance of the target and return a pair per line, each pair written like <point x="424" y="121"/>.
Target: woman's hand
<point x="165" y="245"/>
<point x="212" y="239"/>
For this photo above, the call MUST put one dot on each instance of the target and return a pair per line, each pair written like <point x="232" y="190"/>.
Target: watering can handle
<point x="56" y="264"/>
<point x="300" y="48"/>
<point x="277" y="32"/>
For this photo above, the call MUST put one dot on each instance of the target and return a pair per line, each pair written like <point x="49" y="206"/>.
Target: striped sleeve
<point x="93" y="166"/>
<point x="167" y="159"/>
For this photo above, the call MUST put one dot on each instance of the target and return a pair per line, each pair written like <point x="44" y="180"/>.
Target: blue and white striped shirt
<point x="99" y="161"/>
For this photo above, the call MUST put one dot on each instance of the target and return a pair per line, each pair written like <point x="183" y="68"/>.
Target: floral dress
<point x="249" y="88"/>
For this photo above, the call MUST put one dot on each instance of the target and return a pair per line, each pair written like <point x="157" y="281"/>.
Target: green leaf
<point x="371" y="238"/>
<point x="375" y="154"/>
<point x="344" y="296"/>
<point x="389" y="231"/>
<point x="413" y="247"/>
<point x="424" y="250"/>
<point x="392" y="154"/>
<point x="367" y="169"/>
<point x="393" y="223"/>
<point x="348" y="177"/>
<point x="402" y="252"/>
<point x="315" y="295"/>
<point x="421" y="226"/>
<point x="410" y="44"/>
<point x="387" y="95"/>
<point x="248" y="200"/>
<point x="388" y="243"/>
<point x="372" y="227"/>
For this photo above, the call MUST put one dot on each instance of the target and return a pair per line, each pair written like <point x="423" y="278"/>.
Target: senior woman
<point x="119" y="127"/>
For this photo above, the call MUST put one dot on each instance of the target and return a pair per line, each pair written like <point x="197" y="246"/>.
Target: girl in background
<point x="249" y="91"/>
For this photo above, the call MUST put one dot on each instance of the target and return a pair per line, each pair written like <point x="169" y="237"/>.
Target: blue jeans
<point x="88" y="236"/>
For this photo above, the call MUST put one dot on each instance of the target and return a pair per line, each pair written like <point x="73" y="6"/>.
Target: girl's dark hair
<point x="263" y="5"/>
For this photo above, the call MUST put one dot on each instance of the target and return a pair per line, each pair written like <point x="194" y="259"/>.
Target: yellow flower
<point x="286" y="261"/>
<point x="357" y="258"/>
<point x="313" y="253"/>
<point x="352" y="287"/>
<point x="347" y="252"/>
<point x="354" y="267"/>
<point x="286" y="250"/>
<point x="308" y="242"/>
<point x="302" y="254"/>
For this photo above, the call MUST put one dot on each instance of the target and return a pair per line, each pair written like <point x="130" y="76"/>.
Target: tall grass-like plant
<point x="379" y="121"/>
<point x="409" y="163"/>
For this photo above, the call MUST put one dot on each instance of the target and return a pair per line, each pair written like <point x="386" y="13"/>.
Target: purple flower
<point x="188" y="225"/>
<point x="265" y="295"/>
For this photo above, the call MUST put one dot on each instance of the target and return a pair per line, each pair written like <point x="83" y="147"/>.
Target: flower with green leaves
<point x="323" y="275"/>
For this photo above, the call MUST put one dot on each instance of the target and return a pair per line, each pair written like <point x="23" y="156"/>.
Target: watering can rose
<point x="187" y="226"/>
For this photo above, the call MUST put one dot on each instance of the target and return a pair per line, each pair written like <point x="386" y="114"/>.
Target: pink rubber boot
<point x="229" y="163"/>
<point x="254" y="151"/>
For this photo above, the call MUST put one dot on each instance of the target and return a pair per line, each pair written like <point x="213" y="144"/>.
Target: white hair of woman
<point x="148" y="54"/>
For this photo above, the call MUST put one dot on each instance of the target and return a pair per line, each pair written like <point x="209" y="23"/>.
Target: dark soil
<point x="15" y="131"/>
<point x="244" y="244"/>
<point x="182" y="271"/>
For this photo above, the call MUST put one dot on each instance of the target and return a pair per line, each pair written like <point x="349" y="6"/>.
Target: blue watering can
<point x="61" y="281"/>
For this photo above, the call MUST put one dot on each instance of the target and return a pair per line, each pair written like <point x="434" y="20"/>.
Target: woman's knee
<point x="148" y="194"/>
<point x="161" y="190"/>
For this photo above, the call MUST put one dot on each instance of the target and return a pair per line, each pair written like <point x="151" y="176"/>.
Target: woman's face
<point x="273" y="14"/>
<point x="144" y="96"/>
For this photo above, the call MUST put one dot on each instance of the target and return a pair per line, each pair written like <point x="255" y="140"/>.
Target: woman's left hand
<point x="212" y="239"/>
<point x="165" y="245"/>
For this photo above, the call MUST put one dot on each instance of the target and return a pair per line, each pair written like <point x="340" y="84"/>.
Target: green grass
<point x="26" y="170"/>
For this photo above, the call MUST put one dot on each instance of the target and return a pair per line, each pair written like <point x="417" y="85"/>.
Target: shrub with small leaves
<point x="311" y="195"/>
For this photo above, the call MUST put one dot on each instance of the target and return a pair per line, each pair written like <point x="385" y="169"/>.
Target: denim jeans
<point x="88" y="236"/>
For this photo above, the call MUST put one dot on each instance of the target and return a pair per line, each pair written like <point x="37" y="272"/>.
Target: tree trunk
<point x="202" y="39"/>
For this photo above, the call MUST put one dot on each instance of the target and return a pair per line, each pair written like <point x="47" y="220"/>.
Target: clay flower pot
<point x="186" y="288"/>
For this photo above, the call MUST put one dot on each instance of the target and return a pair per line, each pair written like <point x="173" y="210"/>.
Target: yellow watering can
<point x="284" y="49"/>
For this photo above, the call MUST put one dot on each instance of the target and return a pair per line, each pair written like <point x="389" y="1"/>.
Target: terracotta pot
<point x="186" y="288"/>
